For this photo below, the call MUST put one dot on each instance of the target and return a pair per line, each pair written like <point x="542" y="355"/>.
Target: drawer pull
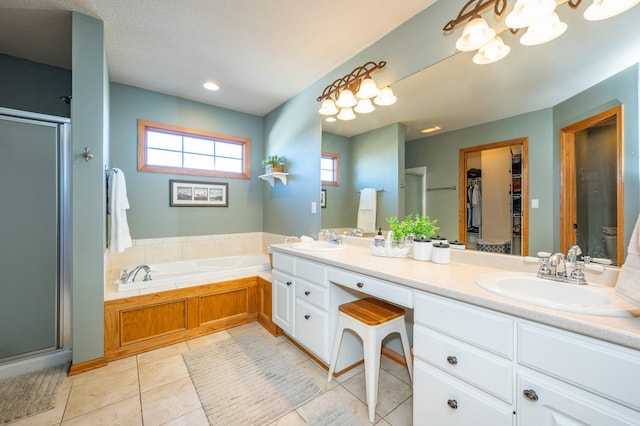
<point x="453" y="403"/>
<point x="306" y="293"/>
<point x="307" y="316"/>
<point x="288" y="282"/>
<point x="360" y="284"/>
<point x="531" y="394"/>
<point x="452" y="360"/>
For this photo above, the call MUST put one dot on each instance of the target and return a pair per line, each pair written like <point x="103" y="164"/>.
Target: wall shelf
<point x="271" y="177"/>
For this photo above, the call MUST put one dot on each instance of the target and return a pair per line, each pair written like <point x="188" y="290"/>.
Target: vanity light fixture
<point x="354" y="93"/>
<point x="537" y="16"/>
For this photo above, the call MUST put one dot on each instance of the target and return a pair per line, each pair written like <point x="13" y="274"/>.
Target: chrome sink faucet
<point x="557" y="266"/>
<point x="131" y="276"/>
<point x="334" y="238"/>
<point x="554" y="266"/>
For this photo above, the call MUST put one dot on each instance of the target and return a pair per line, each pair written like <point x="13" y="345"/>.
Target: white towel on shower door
<point x="367" y="210"/>
<point x="118" y="203"/>
<point x="628" y="283"/>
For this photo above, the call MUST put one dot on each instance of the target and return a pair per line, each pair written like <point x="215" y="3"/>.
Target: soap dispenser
<point x="378" y="240"/>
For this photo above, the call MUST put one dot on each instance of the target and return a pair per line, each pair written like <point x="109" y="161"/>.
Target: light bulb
<point x="603" y="9"/>
<point x="346" y="114"/>
<point x="328" y="107"/>
<point x="543" y="31"/>
<point x="474" y="35"/>
<point x="346" y="99"/>
<point x="491" y="52"/>
<point x="386" y="97"/>
<point x="364" y="106"/>
<point x="527" y="12"/>
<point x="368" y="89"/>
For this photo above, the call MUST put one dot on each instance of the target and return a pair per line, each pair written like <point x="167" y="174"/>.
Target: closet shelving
<point x="473" y="232"/>
<point x="516" y="202"/>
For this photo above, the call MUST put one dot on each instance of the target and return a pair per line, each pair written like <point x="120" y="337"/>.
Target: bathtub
<point x="189" y="273"/>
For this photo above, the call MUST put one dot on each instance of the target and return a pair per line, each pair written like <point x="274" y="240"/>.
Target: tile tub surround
<point x="456" y="281"/>
<point x="162" y="250"/>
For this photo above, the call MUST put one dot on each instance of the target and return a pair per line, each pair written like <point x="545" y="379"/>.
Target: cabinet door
<point x="283" y="301"/>
<point x="544" y="401"/>
<point x="312" y="326"/>
<point x="440" y="399"/>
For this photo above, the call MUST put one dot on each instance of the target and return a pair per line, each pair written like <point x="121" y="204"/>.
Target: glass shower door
<point x="29" y="229"/>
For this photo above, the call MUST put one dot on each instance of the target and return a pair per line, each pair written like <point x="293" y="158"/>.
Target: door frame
<point x="462" y="184"/>
<point x="568" y="213"/>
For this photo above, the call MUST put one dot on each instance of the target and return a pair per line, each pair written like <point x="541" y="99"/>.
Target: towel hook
<point x="87" y="155"/>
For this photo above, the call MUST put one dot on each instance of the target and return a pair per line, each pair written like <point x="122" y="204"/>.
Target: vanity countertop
<point x="456" y="280"/>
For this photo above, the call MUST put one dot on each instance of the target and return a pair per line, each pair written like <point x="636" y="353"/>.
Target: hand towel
<point x="628" y="283"/>
<point x="367" y="210"/>
<point x="117" y="205"/>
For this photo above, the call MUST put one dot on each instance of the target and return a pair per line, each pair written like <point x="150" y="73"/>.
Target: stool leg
<point x="372" y="371"/>
<point x="407" y="350"/>
<point x="336" y="349"/>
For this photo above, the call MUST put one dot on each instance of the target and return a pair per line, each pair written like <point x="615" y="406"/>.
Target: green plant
<point x="273" y="160"/>
<point x="416" y="225"/>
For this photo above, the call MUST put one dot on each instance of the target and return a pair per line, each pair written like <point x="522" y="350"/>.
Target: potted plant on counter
<point x="412" y="227"/>
<point x="273" y="164"/>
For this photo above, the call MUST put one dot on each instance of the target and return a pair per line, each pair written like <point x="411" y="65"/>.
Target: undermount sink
<point x="317" y="246"/>
<point x="590" y="299"/>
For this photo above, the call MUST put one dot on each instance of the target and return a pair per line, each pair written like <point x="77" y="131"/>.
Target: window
<point x="330" y="169"/>
<point x="171" y="149"/>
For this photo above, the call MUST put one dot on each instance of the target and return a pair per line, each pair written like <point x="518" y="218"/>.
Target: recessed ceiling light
<point x="431" y="129"/>
<point x="209" y="85"/>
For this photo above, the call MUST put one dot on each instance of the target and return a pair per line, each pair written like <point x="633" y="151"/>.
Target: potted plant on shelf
<point x="273" y="164"/>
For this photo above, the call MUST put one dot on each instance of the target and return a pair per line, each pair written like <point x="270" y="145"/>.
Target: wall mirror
<point x="529" y="79"/>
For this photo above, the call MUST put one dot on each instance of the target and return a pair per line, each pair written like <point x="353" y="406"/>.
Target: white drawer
<point x="542" y="400"/>
<point x="605" y="369"/>
<point x="477" y="326"/>
<point x="313" y="294"/>
<point x="488" y="372"/>
<point x="384" y="290"/>
<point x="440" y="399"/>
<point x="284" y="263"/>
<point x="313" y="272"/>
<point x="312" y="325"/>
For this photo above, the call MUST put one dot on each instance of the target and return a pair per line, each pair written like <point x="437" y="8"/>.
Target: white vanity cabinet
<point x="463" y="371"/>
<point x="475" y="366"/>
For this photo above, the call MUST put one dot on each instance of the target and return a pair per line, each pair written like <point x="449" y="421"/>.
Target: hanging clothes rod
<point x="453" y="188"/>
<point x="377" y="190"/>
<point x="110" y="170"/>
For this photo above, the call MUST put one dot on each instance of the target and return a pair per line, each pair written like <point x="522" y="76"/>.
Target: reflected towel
<point x="117" y="205"/>
<point x="628" y="284"/>
<point x="367" y="210"/>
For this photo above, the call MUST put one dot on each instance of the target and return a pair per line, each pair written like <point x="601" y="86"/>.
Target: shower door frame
<point x="63" y="216"/>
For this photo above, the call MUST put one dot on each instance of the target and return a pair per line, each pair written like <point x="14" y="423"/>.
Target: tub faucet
<point x="131" y="276"/>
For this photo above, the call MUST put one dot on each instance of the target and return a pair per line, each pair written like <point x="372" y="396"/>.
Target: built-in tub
<point x="188" y="273"/>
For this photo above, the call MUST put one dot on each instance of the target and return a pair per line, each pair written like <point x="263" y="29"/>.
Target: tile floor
<point x="154" y="388"/>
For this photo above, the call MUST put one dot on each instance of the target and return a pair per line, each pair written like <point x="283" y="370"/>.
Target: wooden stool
<point x="372" y="320"/>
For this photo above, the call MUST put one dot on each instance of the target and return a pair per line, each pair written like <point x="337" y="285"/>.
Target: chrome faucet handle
<point x="573" y="253"/>
<point x="147" y="276"/>
<point x="544" y="269"/>
<point x="124" y="274"/>
<point x="577" y="276"/>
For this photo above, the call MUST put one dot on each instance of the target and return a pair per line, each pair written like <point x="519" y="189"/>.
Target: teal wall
<point x="293" y="131"/>
<point x="440" y="154"/>
<point x="30" y="86"/>
<point x="89" y="115"/>
<point x="621" y="89"/>
<point x="342" y="200"/>
<point x="150" y="215"/>
<point x="378" y="161"/>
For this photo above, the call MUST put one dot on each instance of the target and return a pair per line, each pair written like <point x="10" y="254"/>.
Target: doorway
<point x="592" y="186"/>
<point x="493" y="197"/>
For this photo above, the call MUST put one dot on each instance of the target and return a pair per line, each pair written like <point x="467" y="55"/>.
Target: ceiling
<point x="260" y="53"/>
<point x="173" y="47"/>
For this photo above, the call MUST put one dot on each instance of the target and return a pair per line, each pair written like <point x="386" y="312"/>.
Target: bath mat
<point x="29" y="394"/>
<point x="337" y="415"/>
<point x="245" y="380"/>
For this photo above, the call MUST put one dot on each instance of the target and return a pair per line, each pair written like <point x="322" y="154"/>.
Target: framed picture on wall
<point x="323" y="198"/>
<point x="185" y="193"/>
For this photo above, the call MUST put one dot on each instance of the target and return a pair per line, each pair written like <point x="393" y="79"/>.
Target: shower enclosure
<point x="34" y="254"/>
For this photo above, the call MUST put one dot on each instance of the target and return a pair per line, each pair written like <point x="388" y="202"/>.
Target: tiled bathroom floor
<point x="154" y="388"/>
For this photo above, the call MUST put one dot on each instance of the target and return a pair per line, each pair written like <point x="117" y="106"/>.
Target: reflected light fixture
<point x="210" y="85"/>
<point x="538" y="17"/>
<point x="431" y="129"/>
<point x="354" y="93"/>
